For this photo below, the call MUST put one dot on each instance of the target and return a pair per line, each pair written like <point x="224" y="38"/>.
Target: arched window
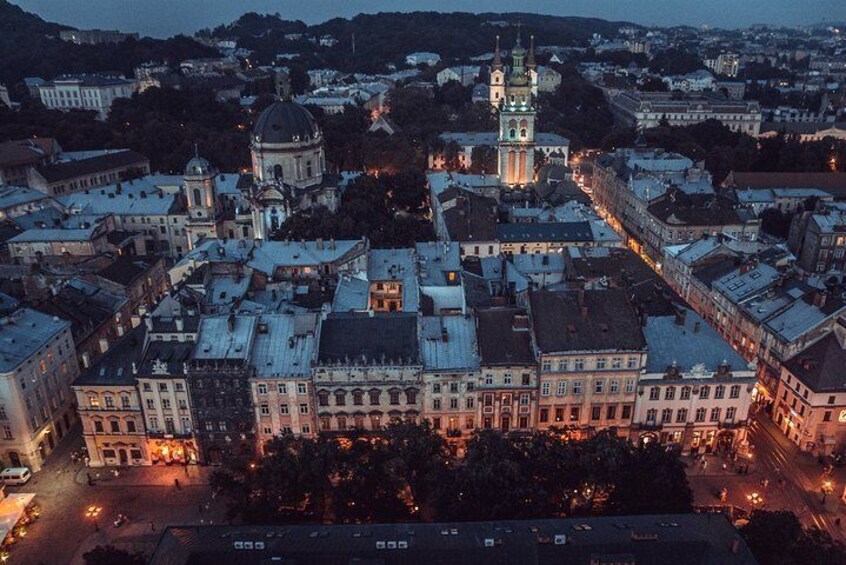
<point x="512" y="132"/>
<point x="523" y="133"/>
<point x="198" y="199"/>
<point x="277" y="172"/>
<point x="308" y="169"/>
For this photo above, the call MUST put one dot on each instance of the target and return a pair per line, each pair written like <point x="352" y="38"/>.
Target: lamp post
<point x="826" y="489"/>
<point x="91" y="513"/>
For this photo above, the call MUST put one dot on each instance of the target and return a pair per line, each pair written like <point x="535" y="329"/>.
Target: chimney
<point x="820" y="298"/>
<point x="319" y="244"/>
<point x="584" y="311"/>
<point x="180" y="324"/>
<point x="104" y="345"/>
<point x="681" y="315"/>
<point x="696" y="327"/>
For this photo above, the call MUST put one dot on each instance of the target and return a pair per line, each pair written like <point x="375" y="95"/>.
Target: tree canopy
<point x="406" y="472"/>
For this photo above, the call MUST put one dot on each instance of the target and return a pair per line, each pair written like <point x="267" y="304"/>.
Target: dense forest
<point x="30" y="47"/>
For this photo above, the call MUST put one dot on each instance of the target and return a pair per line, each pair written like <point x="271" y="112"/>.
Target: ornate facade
<point x="289" y="167"/>
<point x="513" y="93"/>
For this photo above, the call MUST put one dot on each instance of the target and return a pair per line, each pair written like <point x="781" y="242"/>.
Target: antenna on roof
<point x="196" y="150"/>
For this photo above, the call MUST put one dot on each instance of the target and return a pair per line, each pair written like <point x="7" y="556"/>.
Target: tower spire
<point x="497" y="60"/>
<point x="530" y="59"/>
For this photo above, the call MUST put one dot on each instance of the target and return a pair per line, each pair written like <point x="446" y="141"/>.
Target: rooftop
<point x="67" y="170"/>
<point x="590" y="320"/>
<point x="822" y="366"/>
<point x="553" y="232"/>
<point x="363" y="339"/>
<point x="23" y="333"/>
<point x="284" y="345"/>
<point x="694" y="539"/>
<point x="115" y="366"/>
<point x="504" y="337"/>
<point x="689" y="343"/>
<point x="448" y="343"/>
<point x="225" y="337"/>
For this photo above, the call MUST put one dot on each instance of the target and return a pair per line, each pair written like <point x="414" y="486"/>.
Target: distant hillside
<point x="29" y="46"/>
<point x="388" y="37"/>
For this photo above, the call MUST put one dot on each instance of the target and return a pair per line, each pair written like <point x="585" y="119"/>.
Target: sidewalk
<point x="155" y="475"/>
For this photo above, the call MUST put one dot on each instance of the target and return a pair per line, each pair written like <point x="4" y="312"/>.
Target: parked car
<point x="15" y="475"/>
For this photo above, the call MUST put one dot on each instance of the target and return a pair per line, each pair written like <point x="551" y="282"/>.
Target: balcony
<point x="163" y="435"/>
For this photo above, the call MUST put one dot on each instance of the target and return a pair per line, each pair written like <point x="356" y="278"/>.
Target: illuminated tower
<point x="516" y="159"/>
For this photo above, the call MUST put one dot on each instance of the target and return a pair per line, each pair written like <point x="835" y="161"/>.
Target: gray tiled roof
<point x="23" y="333"/>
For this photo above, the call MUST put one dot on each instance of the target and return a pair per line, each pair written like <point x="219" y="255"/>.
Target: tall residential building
<point x="37" y="366"/>
<point x="85" y="92"/>
<point x="109" y="407"/>
<point x="507" y="390"/>
<point x="591" y="350"/>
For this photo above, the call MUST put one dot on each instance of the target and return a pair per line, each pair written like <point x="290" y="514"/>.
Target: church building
<point x="512" y="94"/>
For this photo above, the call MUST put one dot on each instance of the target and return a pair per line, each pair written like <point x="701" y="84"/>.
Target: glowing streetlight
<point x="92" y="512"/>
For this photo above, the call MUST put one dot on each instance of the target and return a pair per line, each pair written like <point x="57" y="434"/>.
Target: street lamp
<point x="826" y="489"/>
<point x="91" y="513"/>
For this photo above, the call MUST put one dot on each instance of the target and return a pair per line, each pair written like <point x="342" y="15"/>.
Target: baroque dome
<point x="198" y="167"/>
<point x="285" y="122"/>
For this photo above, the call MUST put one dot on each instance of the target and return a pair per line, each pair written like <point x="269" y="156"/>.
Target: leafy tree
<point x="653" y="84"/>
<point x="483" y="160"/>
<point x="674" y="61"/>
<point x="778" y="538"/>
<point x="110" y="555"/>
<point x="577" y="110"/>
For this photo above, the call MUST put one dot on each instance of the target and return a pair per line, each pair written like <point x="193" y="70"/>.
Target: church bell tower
<point x="517" y="112"/>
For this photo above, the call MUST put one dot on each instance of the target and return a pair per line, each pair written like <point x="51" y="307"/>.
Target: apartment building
<point x="37" y="366"/>
<point x="810" y="405"/>
<point x="590" y="348"/>
<point x="450" y="375"/>
<point x="508" y="387"/>
<point x="281" y="388"/>
<point x="110" y="408"/>
<point x="695" y="391"/>
<point x="368" y="371"/>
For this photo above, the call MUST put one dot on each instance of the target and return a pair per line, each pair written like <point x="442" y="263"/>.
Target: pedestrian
<point x="87" y="460"/>
<point x="152" y="526"/>
<point x="186" y="469"/>
<point x="723" y="495"/>
<point x="704" y="463"/>
<point x="90" y="480"/>
<point x="765" y="483"/>
<point x="176" y="484"/>
<point x="116" y="473"/>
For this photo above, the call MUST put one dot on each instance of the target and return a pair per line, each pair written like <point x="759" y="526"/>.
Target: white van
<point x="15" y="475"/>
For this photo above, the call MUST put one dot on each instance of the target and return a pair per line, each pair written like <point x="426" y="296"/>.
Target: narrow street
<point x="148" y="496"/>
<point x="774" y="457"/>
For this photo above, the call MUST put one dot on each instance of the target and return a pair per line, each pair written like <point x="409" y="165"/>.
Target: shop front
<point x="168" y="449"/>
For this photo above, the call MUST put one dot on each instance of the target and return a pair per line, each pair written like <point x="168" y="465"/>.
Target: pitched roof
<point x="590" y="320"/>
<point x="694" y="539"/>
<point x="363" y="339"/>
<point x="833" y="183"/>
<point x="504" y="337"/>
<point x="23" y="333"/>
<point x="26" y="151"/>
<point x="114" y="367"/>
<point x="822" y="366"/>
<point x="59" y="172"/>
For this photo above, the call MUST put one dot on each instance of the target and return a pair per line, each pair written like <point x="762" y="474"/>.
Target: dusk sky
<point x="161" y="18"/>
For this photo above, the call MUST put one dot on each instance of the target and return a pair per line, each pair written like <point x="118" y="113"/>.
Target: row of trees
<point x="778" y="538"/>
<point x="407" y="473"/>
<point x="723" y="150"/>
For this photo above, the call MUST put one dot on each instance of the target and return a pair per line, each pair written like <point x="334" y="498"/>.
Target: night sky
<point x="162" y="18"/>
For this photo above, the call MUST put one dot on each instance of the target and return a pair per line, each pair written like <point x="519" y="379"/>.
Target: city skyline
<point x="145" y="18"/>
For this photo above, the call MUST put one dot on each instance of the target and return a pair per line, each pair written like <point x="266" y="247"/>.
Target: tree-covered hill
<point x="30" y="47"/>
<point x="388" y="37"/>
